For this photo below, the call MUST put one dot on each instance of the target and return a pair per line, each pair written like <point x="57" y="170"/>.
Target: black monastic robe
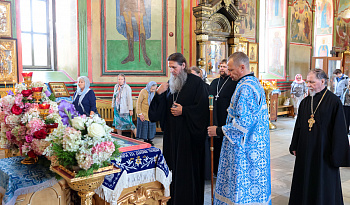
<point x="183" y="141"/>
<point x="319" y="152"/>
<point x="219" y="116"/>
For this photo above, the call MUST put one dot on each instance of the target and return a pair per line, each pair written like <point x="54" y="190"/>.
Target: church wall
<point x="66" y="37"/>
<point x="342" y="24"/>
<point x="299" y="64"/>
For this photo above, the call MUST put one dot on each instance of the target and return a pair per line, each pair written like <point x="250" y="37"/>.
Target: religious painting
<point x="276" y="53"/>
<point x="324" y="17"/>
<point x="253" y="52"/>
<point x="254" y="69"/>
<point x="276" y="13"/>
<point x="301" y="22"/>
<point x="59" y="89"/>
<point x="343" y="29"/>
<point x="8" y="60"/>
<point x="215" y="52"/>
<point x="242" y="46"/>
<point x="5" y="19"/>
<point x="323" y="45"/>
<point x="133" y="38"/>
<point x="247" y="23"/>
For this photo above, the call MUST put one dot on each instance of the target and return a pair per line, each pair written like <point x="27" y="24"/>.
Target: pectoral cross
<point x="216" y="97"/>
<point x="311" y="122"/>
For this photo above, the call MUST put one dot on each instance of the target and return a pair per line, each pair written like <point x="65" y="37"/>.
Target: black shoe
<point x="150" y="142"/>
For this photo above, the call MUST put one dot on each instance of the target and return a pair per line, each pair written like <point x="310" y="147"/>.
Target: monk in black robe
<point x="182" y="108"/>
<point x="222" y="89"/>
<point x="320" y="144"/>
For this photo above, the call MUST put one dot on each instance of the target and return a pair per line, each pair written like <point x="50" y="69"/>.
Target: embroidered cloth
<point x="138" y="167"/>
<point x="17" y="179"/>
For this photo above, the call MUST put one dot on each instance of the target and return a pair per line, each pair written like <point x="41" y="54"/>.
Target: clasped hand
<point x="176" y="110"/>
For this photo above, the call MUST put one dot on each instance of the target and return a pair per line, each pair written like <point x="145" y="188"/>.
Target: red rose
<point x="41" y="134"/>
<point x="31" y="154"/>
<point x="26" y="93"/>
<point x="16" y="110"/>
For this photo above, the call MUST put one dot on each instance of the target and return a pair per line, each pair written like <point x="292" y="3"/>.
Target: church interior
<point x="57" y="41"/>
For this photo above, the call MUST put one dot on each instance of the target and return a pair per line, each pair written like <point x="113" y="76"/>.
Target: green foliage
<point x="65" y="158"/>
<point x="86" y="173"/>
<point x="52" y="97"/>
<point x="116" y="152"/>
<point x="49" y="121"/>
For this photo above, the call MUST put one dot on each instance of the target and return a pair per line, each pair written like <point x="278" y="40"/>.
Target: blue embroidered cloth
<point x="138" y="167"/>
<point x="17" y="179"/>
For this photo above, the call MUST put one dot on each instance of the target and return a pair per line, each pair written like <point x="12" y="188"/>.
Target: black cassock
<point x="219" y="117"/>
<point x="319" y="152"/>
<point x="184" y="136"/>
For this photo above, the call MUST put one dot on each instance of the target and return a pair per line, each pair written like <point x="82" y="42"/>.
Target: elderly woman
<point x="123" y="106"/>
<point x="146" y="130"/>
<point x="298" y="92"/>
<point x="84" y="99"/>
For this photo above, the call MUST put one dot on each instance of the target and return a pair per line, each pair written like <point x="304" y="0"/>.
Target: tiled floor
<point x="282" y="164"/>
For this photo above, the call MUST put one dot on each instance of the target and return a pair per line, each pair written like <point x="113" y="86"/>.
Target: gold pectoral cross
<point x="311" y="122"/>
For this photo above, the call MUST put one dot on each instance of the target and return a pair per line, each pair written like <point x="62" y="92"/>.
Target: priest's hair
<point x="176" y="83"/>
<point x="320" y="74"/>
<point x="240" y="58"/>
<point x="180" y="59"/>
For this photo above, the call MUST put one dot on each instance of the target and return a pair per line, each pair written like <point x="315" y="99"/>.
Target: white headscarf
<point x="80" y="92"/>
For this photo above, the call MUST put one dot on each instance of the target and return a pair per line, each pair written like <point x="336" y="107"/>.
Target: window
<point x="35" y="34"/>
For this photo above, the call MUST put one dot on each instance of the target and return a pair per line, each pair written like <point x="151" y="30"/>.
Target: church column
<point x="289" y="10"/>
<point x="202" y="14"/>
<point x="313" y="31"/>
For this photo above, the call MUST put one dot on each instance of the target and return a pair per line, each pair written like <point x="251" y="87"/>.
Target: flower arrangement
<point x="84" y="147"/>
<point x="21" y="125"/>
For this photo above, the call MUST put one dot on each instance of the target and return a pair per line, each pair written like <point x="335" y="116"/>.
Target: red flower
<point x="26" y="93"/>
<point x="41" y="134"/>
<point x="16" y="110"/>
<point x="31" y="154"/>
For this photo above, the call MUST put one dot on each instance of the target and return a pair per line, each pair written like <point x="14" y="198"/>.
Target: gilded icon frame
<point x="59" y="89"/>
<point x="6" y="21"/>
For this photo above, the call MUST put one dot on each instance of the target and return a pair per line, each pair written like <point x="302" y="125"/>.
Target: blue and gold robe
<point x="244" y="169"/>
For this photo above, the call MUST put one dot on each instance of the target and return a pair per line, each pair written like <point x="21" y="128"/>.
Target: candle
<point x="5" y="84"/>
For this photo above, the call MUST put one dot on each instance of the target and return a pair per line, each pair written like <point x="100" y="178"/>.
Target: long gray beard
<point x="176" y="83"/>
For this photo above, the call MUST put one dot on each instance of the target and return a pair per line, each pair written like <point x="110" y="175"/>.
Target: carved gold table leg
<point x="86" y="197"/>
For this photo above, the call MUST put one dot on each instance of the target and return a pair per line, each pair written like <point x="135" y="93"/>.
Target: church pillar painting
<point x="274" y="65"/>
<point x="323" y="28"/>
<point x="246" y="26"/>
<point x="342" y="25"/>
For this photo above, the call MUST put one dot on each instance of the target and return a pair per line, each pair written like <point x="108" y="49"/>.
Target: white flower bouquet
<point x="84" y="147"/>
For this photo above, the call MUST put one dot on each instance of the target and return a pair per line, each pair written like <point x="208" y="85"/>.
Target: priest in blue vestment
<point x="244" y="169"/>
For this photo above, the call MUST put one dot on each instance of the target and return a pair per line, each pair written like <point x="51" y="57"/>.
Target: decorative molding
<point x="142" y="194"/>
<point x="83" y="41"/>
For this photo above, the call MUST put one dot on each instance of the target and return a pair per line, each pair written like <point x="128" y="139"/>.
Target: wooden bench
<point x="284" y="109"/>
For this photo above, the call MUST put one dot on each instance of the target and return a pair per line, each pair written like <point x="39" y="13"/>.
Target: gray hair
<point x="320" y="74"/>
<point x="239" y="58"/>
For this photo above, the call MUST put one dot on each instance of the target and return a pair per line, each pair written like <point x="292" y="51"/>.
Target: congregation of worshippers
<point x="237" y="102"/>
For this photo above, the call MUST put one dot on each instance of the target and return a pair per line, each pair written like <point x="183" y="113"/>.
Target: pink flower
<point x="9" y="135"/>
<point x="34" y="125"/>
<point x="29" y="138"/>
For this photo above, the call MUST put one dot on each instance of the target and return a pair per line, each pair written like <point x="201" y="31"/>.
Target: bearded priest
<point x="182" y="107"/>
<point x="320" y="145"/>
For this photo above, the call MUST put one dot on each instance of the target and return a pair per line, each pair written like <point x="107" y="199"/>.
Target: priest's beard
<point x="223" y="74"/>
<point x="176" y="83"/>
<point x="312" y="93"/>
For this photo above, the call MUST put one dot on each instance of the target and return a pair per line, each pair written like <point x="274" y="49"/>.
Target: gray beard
<point x="312" y="93"/>
<point x="176" y="83"/>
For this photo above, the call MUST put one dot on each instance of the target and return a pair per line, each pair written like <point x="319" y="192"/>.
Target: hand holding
<point x="162" y="88"/>
<point x="176" y="110"/>
<point x="212" y="131"/>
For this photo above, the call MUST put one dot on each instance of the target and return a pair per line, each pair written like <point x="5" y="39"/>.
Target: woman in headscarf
<point x="146" y="130"/>
<point x="298" y="92"/>
<point x="123" y="106"/>
<point x="84" y="99"/>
